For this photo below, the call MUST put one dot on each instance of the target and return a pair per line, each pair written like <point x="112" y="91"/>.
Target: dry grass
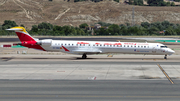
<point x="30" y="12"/>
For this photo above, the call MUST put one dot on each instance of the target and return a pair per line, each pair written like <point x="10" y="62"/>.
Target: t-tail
<point x="26" y="39"/>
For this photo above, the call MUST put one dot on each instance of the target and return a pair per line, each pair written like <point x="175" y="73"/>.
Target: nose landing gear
<point x="165" y="57"/>
<point x="84" y="56"/>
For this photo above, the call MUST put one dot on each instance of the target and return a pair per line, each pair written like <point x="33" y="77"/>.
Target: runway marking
<point x="165" y="74"/>
<point x="81" y="96"/>
<point x="72" y="72"/>
<point x="108" y="71"/>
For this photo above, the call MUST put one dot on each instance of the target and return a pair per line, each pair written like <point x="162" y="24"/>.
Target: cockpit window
<point x="163" y="46"/>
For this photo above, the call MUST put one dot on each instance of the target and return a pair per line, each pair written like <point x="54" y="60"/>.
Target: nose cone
<point x="170" y="52"/>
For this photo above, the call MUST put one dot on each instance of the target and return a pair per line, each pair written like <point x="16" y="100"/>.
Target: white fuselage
<point x="90" y="47"/>
<point x="100" y="47"/>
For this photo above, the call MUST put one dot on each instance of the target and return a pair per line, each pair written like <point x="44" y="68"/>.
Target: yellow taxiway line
<point x="165" y="74"/>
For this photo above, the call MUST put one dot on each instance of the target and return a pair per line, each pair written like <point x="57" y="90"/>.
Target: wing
<point x="87" y="51"/>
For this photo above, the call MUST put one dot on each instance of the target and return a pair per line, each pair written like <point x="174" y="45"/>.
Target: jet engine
<point x="46" y="42"/>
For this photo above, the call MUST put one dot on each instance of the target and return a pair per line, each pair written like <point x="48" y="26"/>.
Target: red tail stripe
<point x="24" y="37"/>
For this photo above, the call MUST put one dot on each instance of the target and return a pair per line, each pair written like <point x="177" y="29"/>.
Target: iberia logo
<point x="82" y="43"/>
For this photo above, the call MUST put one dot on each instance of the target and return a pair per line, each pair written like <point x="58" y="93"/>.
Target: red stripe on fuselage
<point x="65" y="49"/>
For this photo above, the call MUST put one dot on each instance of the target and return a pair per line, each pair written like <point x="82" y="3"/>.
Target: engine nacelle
<point x="46" y="42"/>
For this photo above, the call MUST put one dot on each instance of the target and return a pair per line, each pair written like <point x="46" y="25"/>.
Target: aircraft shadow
<point x="79" y="58"/>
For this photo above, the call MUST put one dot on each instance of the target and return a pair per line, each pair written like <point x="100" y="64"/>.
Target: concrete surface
<point x="95" y="67"/>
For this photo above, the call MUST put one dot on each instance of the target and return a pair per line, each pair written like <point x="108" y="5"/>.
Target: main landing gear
<point x="84" y="56"/>
<point x="165" y="57"/>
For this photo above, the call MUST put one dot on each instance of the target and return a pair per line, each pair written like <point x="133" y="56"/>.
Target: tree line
<point x="144" y="29"/>
<point x="160" y="3"/>
<point x="92" y="0"/>
<point x="152" y="2"/>
<point x="164" y="28"/>
<point x="141" y="2"/>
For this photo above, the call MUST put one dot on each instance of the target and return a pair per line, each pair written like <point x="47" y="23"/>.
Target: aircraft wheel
<point x="84" y="56"/>
<point x="165" y="57"/>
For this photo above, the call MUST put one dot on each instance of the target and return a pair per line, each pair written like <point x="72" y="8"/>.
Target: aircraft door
<point x="154" y="50"/>
<point x="89" y="47"/>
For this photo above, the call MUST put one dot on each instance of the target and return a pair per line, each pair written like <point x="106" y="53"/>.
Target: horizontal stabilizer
<point x="17" y="29"/>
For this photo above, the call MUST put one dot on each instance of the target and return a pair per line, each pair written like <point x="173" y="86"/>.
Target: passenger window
<point x="124" y="45"/>
<point x="144" y="46"/>
<point x="134" y="46"/>
<point x="131" y="46"/>
<point x="61" y="44"/>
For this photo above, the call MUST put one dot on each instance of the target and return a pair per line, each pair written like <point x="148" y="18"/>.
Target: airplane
<point x="85" y="48"/>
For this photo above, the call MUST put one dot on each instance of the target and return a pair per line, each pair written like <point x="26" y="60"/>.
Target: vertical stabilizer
<point x="22" y="34"/>
<point x="26" y="39"/>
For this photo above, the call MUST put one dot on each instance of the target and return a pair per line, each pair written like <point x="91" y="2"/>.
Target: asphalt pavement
<point x="69" y="90"/>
